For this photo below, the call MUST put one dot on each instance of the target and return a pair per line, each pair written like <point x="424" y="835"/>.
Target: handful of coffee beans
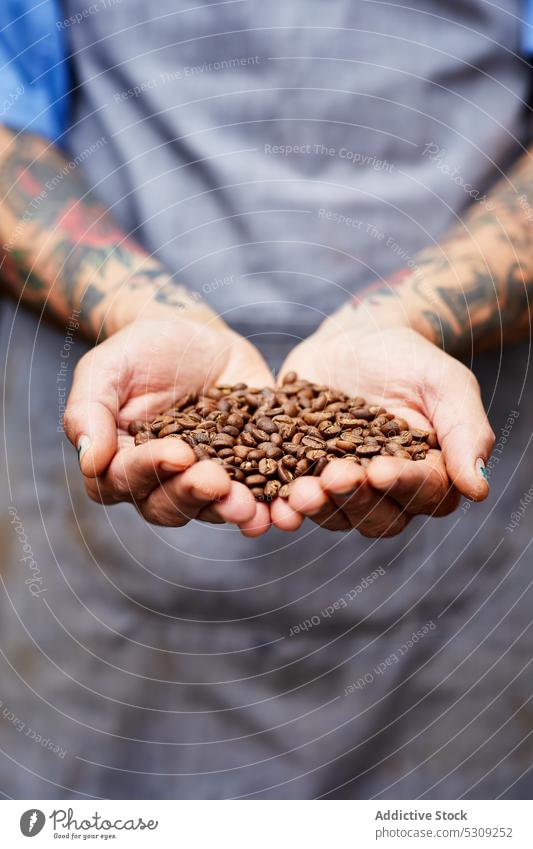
<point x="265" y="438"/>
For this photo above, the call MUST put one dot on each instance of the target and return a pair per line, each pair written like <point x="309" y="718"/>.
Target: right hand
<point x="137" y="373"/>
<point x="411" y="377"/>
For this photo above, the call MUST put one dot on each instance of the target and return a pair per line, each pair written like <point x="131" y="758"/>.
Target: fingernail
<point x="481" y="469"/>
<point x="83" y="444"/>
<point x="173" y="468"/>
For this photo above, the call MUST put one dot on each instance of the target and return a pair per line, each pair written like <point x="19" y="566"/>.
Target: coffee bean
<point x="160" y="423"/>
<point x="249" y="467"/>
<point x="271" y="490"/>
<point x="168" y="430"/>
<point x="256" y="480"/>
<point x="265" y="423"/>
<point x="268" y="467"/>
<point x="266" y="437"/>
<point x="248" y="439"/>
<point x="302" y="466"/>
<point x="328" y="428"/>
<point x="144" y="436"/>
<point x="320" y="466"/>
<point x="235" y="420"/>
<point x="258" y="493"/>
<point x="367" y="450"/>
<point x="285" y="475"/>
<point x="313" y="442"/>
<point x="136" y="426"/>
<point x="315" y="453"/>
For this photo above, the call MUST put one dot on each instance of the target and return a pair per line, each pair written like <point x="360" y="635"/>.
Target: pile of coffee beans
<point x="265" y="438"/>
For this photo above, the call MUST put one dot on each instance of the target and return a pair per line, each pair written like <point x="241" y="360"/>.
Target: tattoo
<point x="372" y="293"/>
<point x="474" y="291"/>
<point x="87" y="256"/>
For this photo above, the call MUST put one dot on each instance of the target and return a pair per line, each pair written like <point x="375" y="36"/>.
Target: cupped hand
<point x="135" y="374"/>
<point x="412" y="378"/>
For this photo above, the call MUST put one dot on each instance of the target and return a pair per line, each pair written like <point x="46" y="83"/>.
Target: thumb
<point x="90" y="418"/>
<point x="463" y="430"/>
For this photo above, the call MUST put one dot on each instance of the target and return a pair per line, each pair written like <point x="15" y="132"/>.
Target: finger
<point x="462" y="427"/>
<point x="135" y="472"/>
<point x="259" y="524"/>
<point x="369" y="511"/>
<point x="90" y="418"/>
<point x="181" y="498"/>
<point x="421" y="487"/>
<point x="92" y="429"/>
<point x="284" y="516"/>
<point x="307" y="497"/>
<point x="237" y="507"/>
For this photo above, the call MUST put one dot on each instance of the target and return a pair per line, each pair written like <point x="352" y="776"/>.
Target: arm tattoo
<point x="475" y="290"/>
<point x="62" y="249"/>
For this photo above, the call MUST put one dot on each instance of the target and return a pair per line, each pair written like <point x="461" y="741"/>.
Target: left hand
<point x="412" y="378"/>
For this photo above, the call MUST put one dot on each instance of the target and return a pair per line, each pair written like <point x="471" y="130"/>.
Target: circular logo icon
<point x="32" y="822"/>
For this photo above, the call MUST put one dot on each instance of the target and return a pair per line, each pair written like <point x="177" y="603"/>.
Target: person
<point x="220" y="191"/>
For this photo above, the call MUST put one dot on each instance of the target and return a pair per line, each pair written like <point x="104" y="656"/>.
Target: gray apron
<point x="277" y="157"/>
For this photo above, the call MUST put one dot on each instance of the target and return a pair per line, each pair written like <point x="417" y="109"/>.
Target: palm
<point x="385" y="368"/>
<point x="153" y="365"/>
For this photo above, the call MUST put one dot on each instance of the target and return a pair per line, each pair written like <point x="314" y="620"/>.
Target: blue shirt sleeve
<point x="33" y="74"/>
<point x="527" y="28"/>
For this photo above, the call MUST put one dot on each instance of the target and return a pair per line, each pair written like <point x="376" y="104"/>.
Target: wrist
<point x="406" y="300"/>
<point x="152" y="295"/>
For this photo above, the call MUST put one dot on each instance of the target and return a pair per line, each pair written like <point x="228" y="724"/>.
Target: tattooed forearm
<point x="475" y="289"/>
<point x="60" y="249"/>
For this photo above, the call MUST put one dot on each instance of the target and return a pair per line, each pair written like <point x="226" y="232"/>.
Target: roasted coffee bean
<point x="289" y="461"/>
<point x="320" y="466"/>
<point x="290" y="377"/>
<point x="236" y="420"/>
<point x="315" y="453"/>
<point x="136" y="426"/>
<point x="225" y="453"/>
<point x="419" y="435"/>
<point x="285" y="475"/>
<point x="161" y="422"/>
<point x="313" y="442"/>
<point x="302" y="467"/>
<point x="168" y="430"/>
<point x="248" y="439"/>
<point x="265" y="423"/>
<point x="405" y="438"/>
<point x="368" y="450"/>
<point x="266" y="437"/>
<point x="274" y="452"/>
<point x="256" y="480"/>
<point x="268" y="467"/>
<point x="361" y="413"/>
<point x="333" y="448"/>
<point x="233" y="431"/>
<point x="249" y="467"/>
<point x="345" y="444"/>
<point x="144" y="436"/>
<point x="223" y="440"/>
<point x="258" y="493"/>
<point x="289" y="447"/>
<point x="271" y="490"/>
<point x="328" y="429"/>
<point x="200" y="453"/>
